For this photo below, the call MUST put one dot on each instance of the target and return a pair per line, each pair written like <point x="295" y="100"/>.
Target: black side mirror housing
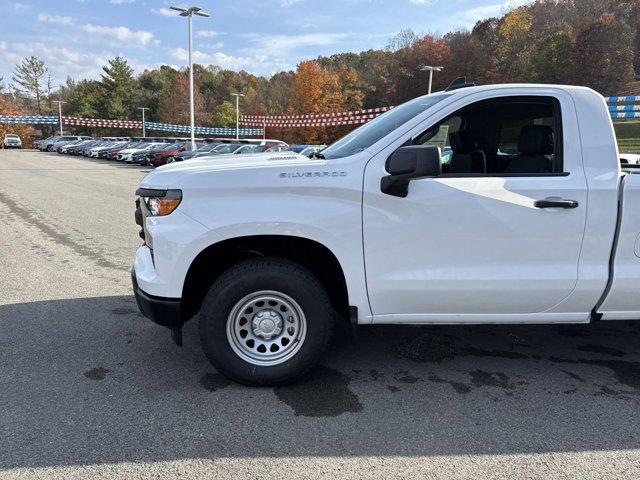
<point x="410" y="163"/>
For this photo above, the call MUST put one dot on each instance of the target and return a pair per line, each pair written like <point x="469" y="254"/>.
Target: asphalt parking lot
<point x="90" y="389"/>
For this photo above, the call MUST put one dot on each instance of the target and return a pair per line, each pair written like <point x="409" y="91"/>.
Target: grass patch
<point x="628" y="134"/>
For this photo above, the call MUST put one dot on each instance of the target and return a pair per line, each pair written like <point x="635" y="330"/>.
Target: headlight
<point x="160" y="203"/>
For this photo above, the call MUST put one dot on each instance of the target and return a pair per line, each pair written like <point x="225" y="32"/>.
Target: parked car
<point x="70" y="147"/>
<point x="126" y="154"/>
<point x="630" y="158"/>
<point x="11" y="140"/>
<point x="100" y="150"/>
<point x="44" y="145"/>
<point x="144" y="157"/>
<point x="200" y="151"/>
<point x="306" y="150"/>
<point x="169" y="153"/>
<point x="548" y="234"/>
<point x="68" y="143"/>
<point x="53" y="147"/>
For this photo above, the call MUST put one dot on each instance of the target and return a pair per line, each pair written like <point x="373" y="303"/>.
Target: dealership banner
<point x="126" y="124"/>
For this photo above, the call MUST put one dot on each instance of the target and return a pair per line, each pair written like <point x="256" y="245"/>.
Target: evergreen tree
<point x="28" y="79"/>
<point x="119" y="87"/>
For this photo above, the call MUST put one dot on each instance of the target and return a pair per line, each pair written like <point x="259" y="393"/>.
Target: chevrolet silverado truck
<point x="530" y="219"/>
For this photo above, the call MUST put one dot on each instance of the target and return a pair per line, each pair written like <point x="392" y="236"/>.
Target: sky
<point x="76" y="37"/>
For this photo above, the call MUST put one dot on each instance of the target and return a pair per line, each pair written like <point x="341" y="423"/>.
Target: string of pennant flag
<point x="620" y="107"/>
<point x="130" y="124"/>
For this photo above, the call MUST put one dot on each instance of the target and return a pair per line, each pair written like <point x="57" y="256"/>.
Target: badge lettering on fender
<point x="316" y="174"/>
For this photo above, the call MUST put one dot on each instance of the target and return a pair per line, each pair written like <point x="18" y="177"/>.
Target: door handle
<point x="555" y="203"/>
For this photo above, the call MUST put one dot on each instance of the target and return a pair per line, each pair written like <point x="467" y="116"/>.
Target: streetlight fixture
<point x="430" y="69"/>
<point x="60" y="102"/>
<point x="189" y="13"/>
<point x="144" y="133"/>
<point x="237" y="95"/>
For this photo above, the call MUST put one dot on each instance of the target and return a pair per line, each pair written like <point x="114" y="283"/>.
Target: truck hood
<point x="167" y="175"/>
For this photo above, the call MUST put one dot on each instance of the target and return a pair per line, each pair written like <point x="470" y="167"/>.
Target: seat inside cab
<point x="504" y="136"/>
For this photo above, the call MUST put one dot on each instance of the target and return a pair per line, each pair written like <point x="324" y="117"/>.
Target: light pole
<point x="144" y="133"/>
<point x="189" y="13"/>
<point x="60" y="102"/>
<point x="430" y="70"/>
<point x="237" y="95"/>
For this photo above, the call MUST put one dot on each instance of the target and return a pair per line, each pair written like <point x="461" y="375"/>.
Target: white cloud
<point x="418" y="2"/>
<point x="288" y="3"/>
<point x="163" y="12"/>
<point x="57" y="19"/>
<point x="121" y="34"/>
<point x="285" y="45"/>
<point x="120" y="2"/>
<point x="20" y="7"/>
<point x="208" y="33"/>
<point x="472" y="15"/>
<point x="255" y="63"/>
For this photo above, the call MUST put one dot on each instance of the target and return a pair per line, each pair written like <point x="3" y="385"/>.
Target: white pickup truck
<point x="529" y="220"/>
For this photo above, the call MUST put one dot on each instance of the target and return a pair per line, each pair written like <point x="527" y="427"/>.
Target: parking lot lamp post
<point x="189" y="13"/>
<point x="430" y="69"/>
<point x="144" y="133"/>
<point x="237" y="95"/>
<point x="60" y="113"/>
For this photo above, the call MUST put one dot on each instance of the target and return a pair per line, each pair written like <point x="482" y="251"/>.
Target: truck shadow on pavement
<point x="89" y="381"/>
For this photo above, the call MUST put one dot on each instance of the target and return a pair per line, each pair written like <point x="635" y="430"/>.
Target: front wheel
<point x="265" y="322"/>
<point x="171" y="159"/>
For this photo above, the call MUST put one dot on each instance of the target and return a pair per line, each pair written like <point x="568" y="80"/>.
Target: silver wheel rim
<point x="266" y="328"/>
<point x="170" y="159"/>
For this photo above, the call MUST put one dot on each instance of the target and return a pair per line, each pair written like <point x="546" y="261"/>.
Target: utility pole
<point x="60" y="102"/>
<point x="430" y="69"/>
<point x="237" y="95"/>
<point x="189" y="13"/>
<point x="144" y="133"/>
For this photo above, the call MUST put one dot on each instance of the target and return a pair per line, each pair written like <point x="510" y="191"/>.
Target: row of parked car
<point x="162" y="150"/>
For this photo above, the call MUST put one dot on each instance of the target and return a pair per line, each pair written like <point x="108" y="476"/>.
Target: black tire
<point x="255" y="275"/>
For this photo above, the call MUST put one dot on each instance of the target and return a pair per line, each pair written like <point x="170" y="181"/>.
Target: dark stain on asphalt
<point x="214" y="381"/>
<point x="480" y="378"/>
<point x="375" y="374"/>
<point x="475" y="352"/>
<point x="124" y="311"/>
<point x="458" y="387"/>
<point x="600" y="349"/>
<point x="575" y="376"/>
<point x="573" y="331"/>
<point x="97" y="373"/>
<point x="324" y="393"/>
<point x="408" y="379"/>
<point x="57" y="235"/>
<point x="426" y="347"/>
<point x="571" y="391"/>
<point x="393" y="389"/>
<point x="627" y="373"/>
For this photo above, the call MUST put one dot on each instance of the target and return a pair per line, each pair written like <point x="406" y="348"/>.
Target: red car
<point x="160" y="157"/>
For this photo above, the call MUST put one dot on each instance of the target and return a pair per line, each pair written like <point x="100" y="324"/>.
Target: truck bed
<point x="621" y="299"/>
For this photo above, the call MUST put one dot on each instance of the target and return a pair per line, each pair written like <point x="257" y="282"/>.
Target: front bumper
<point x="163" y="311"/>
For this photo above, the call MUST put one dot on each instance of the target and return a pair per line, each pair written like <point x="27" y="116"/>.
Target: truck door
<point x="497" y="234"/>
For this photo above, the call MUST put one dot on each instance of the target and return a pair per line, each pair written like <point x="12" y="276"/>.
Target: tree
<point x="552" y="56"/>
<point x="174" y="107"/>
<point x="119" y="87"/>
<point x="315" y="90"/>
<point x="603" y="55"/>
<point x="224" y="115"/>
<point x="28" y="79"/>
<point x="515" y="46"/>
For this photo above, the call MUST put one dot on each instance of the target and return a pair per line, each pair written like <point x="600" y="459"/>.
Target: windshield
<point x="207" y="147"/>
<point x="296" y="149"/>
<point x="226" y="148"/>
<point x="378" y="128"/>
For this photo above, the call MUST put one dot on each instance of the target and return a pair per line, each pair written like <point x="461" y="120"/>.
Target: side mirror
<point x="410" y="163"/>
